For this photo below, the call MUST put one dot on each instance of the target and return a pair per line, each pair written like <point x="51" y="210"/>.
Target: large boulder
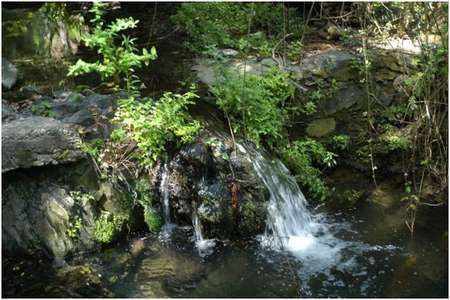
<point x="331" y="63"/>
<point x="9" y="74"/>
<point x="38" y="141"/>
<point x="47" y="209"/>
<point x="201" y="180"/>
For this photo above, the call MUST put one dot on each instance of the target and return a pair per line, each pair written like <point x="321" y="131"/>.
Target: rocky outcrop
<point x="38" y="141"/>
<point x="332" y="66"/>
<point x="48" y="209"/>
<point x="208" y="176"/>
<point x="9" y="74"/>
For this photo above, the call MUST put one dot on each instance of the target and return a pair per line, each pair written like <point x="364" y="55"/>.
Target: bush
<point x="151" y="125"/>
<point x="256" y="105"/>
<point x="117" y="61"/>
<point x="226" y="25"/>
<point x="151" y="217"/>
<point x="302" y="156"/>
<point x="108" y="226"/>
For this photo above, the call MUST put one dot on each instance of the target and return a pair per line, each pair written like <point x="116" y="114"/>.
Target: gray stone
<point x="349" y="95"/>
<point x="331" y="63"/>
<point x="8" y="114"/>
<point x="38" y="141"/>
<point x="230" y="52"/>
<point x="9" y="74"/>
<point x="37" y="215"/>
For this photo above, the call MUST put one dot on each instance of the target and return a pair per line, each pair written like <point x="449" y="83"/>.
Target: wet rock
<point x="321" y="127"/>
<point x="38" y="141"/>
<point x="77" y="281"/>
<point x="39" y="215"/>
<point x="9" y="74"/>
<point x="201" y="176"/>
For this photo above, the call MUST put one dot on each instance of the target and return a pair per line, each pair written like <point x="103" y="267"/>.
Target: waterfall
<point x="204" y="246"/>
<point x="290" y="225"/>
<point x="164" y="190"/>
<point x="166" y="230"/>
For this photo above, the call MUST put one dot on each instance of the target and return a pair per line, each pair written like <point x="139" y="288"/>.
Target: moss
<point x="253" y="216"/>
<point x="321" y="127"/>
<point x="152" y="219"/>
<point x="108" y="226"/>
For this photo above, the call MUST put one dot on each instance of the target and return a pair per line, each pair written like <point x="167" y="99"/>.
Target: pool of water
<point x="368" y="264"/>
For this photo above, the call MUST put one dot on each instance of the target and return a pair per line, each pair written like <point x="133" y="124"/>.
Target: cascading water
<point x="291" y="226"/>
<point x="308" y="237"/>
<point x="164" y="190"/>
<point x="204" y="246"/>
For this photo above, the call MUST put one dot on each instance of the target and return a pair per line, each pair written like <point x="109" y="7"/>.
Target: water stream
<point x="204" y="247"/>
<point x="304" y="252"/>
<point x="168" y="226"/>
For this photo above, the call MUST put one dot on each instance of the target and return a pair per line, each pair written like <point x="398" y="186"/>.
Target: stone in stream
<point x="201" y="172"/>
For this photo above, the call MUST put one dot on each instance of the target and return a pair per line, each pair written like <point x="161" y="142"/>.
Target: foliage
<point x="93" y="148"/>
<point x="302" y="156"/>
<point x="151" y="125"/>
<point x="151" y="217"/>
<point x="255" y="105"/>
<point x="44" y="109"/>
<point x="341" y="141"/>
<point x="82" y="197"/>
<point x="295" y="50"/>
<point x="250" y="27"/>
<point x="74" y="227"/>
<point x="321" y="91"/>
<point x="118" y="60"/>
<point x="394" y="142"/>
<point x="108" y="226"/>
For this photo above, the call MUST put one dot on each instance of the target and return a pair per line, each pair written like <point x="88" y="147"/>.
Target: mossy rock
<point x="321" y="127"/>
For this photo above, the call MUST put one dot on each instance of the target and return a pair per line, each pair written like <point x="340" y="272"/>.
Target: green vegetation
<point x="152" y="125"/>
<point x="74" y="227"/>
<point x="43" y="108"/>
<point x="151" y="217"/>
<point x="341" y="142"/>
<point x="118" y="60"/>
<point x="256" y="104"/>
<point x="250" y="27"/>
<point x="303" y="157"/>
<point x="108" y="226"/>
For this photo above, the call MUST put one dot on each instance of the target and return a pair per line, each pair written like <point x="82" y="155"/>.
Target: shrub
<point x="250" y="27"/>
<point x="108" y="226"/>
<point x="151" y="125"/>
<point x="118" y="61"/>
<point x="340" y="142"/>
<point x="302" y="156"/>
<point x="256" y="104"/>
